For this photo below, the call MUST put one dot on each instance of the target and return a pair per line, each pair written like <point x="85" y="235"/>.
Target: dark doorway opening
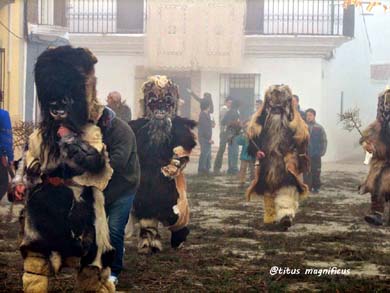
<point x="184" y="83"/>
<point x="243" y="88"/>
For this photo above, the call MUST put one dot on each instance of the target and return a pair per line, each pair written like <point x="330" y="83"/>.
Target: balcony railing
<point x="106" y="16"/>
<point x="299" y="17"/>
<point x="263" y="17"/>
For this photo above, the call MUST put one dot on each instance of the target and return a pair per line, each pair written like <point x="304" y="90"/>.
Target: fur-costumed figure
<point x="67" y="168"/>
<point x="376" y="140"/>
<point x="164" y="143"/>
<point x="278" y="138"/>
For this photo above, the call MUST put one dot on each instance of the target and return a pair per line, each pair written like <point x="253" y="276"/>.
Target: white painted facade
<point x="117" y="73"/>
<point x="349" y="72"/>
<point x="318" y="69"/>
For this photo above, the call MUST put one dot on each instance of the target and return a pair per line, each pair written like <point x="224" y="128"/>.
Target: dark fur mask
<point x="278" y="100"/>
<point x="62" y="77"/>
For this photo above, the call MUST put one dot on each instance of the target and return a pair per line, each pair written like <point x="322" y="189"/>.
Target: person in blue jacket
<point x="6" y="150"/>
<point x="247" y="161"/>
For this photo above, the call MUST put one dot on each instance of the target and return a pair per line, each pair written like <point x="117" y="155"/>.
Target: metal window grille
<point x="230" y="83"/>
<point x="106" y="16"/>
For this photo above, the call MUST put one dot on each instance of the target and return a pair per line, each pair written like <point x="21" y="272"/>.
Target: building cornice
<point x="48" y="32"/>
<point x="292" y="46"/>
<point x="110" y="44"/>
<point x="259" y="46"/>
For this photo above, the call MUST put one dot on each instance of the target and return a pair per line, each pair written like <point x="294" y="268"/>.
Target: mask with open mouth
<point x="59" y="109"/>
<point x="161" y="98"/>
<point x="278" y="101"/>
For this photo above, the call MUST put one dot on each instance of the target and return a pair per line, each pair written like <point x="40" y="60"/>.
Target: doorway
<point x="243" y="88"/>
<point x="183" y="83"/>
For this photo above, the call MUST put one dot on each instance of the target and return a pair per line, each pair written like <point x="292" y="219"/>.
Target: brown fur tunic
<point x="278" y="130"/>
<point x="378" y="178"/>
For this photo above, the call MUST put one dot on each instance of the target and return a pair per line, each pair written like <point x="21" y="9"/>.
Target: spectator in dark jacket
<point x="205" y="138"/>
<point x="6" y="150"/>
<point x="120" y="192"/>
<point x="317" y="149"/>
<point x="206" y="97"/>
<point x="223" y="139"/>
<point x="233" y="128"/>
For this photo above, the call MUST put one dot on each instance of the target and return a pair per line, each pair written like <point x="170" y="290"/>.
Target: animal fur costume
<point x="376" y="140"/>
<point x="164" y="143"/>
<point x="278" y="139"/>
<point x="67" y="168"/>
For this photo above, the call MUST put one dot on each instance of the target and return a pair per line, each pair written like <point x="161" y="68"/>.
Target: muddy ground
<point x="229" y="248"/>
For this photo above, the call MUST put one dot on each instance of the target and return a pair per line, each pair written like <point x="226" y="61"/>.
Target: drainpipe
<point x="9" y="65"/>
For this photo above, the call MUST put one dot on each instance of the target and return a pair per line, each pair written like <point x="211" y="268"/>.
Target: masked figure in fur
<point x="164" y="143"/>
<point x="376" y="140"/>
<point x="66" y="170"/>
<point x="278" y="138"/>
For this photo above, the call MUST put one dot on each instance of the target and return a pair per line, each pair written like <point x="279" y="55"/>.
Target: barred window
<point x="106" y="16"/>
<point x="243" y="88"/>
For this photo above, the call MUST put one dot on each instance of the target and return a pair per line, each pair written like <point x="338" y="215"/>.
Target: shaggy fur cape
<point x="377" y="135"/>
<point x="158" y="194"/>
<point x="284" y="142"/>
<point x="64" y="213"/>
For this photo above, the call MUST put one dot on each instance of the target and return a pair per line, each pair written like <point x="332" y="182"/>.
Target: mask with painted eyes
<point x="59" y="108"/>
<point x="278" y="100"/>
<point x="160" y="98"/>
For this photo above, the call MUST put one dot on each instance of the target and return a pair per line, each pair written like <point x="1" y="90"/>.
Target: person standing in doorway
<point x="247" y="161"/>
<point x="121" y="109"/>
<point x="206" y="97"/>
<point x="317" y="149"/>
<point x="222" y="135"/>
<point x="233" y="129"/>
<point x="205" y="126"/>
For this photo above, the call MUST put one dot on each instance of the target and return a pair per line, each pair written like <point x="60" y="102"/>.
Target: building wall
<point x="349" y="72"/>
<point x="303" y="75"/>
<point x="12" y="16"/>
<point x="117" y="73"/>
<point x="318" y="82"/>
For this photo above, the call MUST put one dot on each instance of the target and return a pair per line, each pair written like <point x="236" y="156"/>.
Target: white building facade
<point x="316" y="47"/>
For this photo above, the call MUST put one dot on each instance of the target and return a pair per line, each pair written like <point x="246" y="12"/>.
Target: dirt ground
<point x="229" y="248"/>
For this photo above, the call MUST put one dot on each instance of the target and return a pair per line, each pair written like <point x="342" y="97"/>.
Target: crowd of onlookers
<point x="232" y="135"/>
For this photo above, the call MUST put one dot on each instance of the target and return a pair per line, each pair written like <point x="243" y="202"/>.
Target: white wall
<point x="349" y="71"/>
<point x="378" y="29"/>
<point x="117" y="73"/>
<point x="303" y="75"/>
<point x="318" y="82"/>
